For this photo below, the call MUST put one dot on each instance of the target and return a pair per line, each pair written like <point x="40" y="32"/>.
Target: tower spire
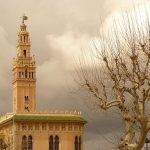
<point x="23" y="38"/>
<point x="24" y="74"/>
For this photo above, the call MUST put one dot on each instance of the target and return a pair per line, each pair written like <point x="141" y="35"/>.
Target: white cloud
<point x="68" y="46"/>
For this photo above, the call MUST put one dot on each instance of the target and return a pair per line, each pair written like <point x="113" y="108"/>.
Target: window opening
<point x="80" y="143"/>
<point x="24" y="143"/>
<point x="30" y="143"/>
<point x="56" y="142"/>
<point x="32" y="74"/>
<point x="24" y="53"/>
<point x="76" y="143"/>
<point x="26" y="73"/>
<point x="51" y="143"/>
<point x="24" y="39"/>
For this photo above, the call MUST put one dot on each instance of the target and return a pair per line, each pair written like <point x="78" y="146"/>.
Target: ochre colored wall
<point x="41" y="137"/>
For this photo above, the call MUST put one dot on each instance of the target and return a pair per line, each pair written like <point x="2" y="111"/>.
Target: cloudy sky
<point x="59" y="29"/>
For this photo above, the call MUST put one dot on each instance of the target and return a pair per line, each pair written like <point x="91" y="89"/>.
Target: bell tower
<point x="24" y="74"/>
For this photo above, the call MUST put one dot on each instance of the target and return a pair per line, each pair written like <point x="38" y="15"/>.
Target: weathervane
<point x="24" y="17"/>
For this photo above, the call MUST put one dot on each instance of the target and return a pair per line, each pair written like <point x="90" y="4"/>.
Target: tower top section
<point x="23" y="35"/>
<point x="23" y="26"/>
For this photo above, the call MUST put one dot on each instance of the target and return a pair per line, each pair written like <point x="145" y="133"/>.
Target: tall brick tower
<point x="24" y="74"/>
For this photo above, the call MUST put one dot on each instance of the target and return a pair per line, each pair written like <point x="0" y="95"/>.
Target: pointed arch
<point x="56" y="142"/>
<point x="76" y="143"/>
<point x="24" y="142"/>
<point x="30" y="142"/>
<point x="51" y="143"/>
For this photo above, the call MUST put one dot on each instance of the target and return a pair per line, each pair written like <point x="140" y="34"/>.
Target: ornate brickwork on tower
<point x="24" y="74"/>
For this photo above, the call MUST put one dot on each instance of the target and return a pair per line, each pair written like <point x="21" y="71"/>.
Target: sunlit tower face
<point x="24" y="74"/>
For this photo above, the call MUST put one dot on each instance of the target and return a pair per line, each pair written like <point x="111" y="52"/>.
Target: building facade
<point x="27" y="129"/>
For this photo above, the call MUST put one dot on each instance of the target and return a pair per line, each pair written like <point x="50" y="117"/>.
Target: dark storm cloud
<point x="58" y="30"/>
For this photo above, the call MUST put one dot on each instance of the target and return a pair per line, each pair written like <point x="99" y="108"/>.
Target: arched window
<point x="24" y="53"/>
<point x="24" y="143"/>
<point x="26" y="98"/>
<point x="76" y="143"/>
<point x="26" y="73"/>
<point x="56" y="142"/>
<point x="51" y="143"/>
<point x="30" y="143"/>
<point x="79" y="142"/>
<point x="26" y="103"/>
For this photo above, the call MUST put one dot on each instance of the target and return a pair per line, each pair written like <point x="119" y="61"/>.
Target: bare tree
<point x="119" y="76"/>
